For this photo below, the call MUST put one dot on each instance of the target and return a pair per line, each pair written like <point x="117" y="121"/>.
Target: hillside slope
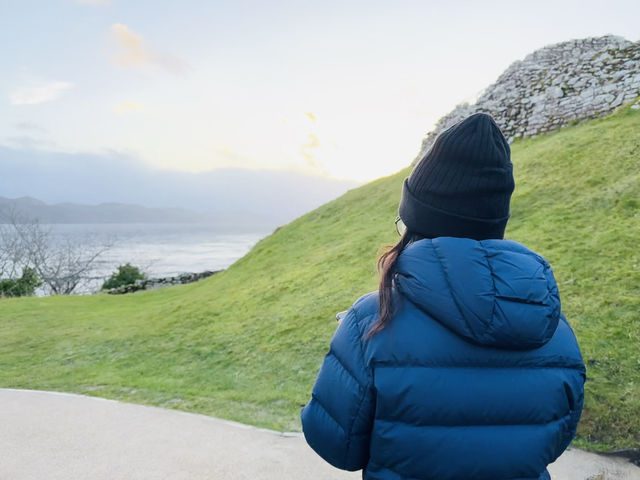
<point x="246" y="344"/>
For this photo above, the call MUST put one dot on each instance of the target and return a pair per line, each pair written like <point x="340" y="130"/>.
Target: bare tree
<point x="10" y="256"/>
<point x="62" y="266"/>
<point x="12" y="251"/>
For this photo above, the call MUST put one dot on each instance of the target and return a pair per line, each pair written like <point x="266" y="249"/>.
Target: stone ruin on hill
<point x="555" y="86"/>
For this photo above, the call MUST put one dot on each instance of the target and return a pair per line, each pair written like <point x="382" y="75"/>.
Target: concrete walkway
<point x="48" y="435"/>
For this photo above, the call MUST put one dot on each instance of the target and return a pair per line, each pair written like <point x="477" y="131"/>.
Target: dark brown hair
<point x="387" y="266"/>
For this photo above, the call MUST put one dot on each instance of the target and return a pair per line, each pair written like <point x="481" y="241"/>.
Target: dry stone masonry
<point x="555" y="86"/>
<point x="153" y="283"/>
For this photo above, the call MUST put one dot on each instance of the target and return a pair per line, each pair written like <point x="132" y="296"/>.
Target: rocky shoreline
<point x="153" y="283"/>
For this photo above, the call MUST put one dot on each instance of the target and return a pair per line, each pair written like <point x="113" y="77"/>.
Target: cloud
<point x="233" y="157"/>
<point x="112" y="176"/>
<point x="30" y="126"/>
<point x="124" y="107"/>
<point x="134" y="52"/>
<point x="38" y="92"/>
<point x="25" y="142"/>
<point x="308" y="149"/>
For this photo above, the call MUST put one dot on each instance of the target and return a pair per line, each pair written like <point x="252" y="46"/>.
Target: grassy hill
<point x="246" y="344"/>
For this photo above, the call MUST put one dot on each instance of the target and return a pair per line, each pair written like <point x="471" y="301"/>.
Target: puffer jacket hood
<point x="495" y="293"/>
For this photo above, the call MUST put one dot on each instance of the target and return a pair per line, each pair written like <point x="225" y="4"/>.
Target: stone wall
<point x="152" y="283"/>
<point x="555" y="86"/>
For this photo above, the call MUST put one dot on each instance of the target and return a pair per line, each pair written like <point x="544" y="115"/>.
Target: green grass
<point x="246" y="344"/>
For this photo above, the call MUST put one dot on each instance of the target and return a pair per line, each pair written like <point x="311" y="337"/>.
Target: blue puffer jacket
<point x="477" y="377"/>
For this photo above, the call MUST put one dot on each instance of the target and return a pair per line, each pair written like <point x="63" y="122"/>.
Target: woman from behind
<point x="461" y="366"/>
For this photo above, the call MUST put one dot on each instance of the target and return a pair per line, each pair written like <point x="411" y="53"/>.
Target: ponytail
<point x="387" y="266"/>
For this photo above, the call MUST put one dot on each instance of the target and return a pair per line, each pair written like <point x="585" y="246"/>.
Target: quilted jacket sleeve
<point x="337" y="420"/>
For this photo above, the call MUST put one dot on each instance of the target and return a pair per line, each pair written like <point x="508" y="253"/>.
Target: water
<point x="159" y="250"/>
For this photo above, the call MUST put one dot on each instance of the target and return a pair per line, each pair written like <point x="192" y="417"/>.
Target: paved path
<point x="47" y="435"/>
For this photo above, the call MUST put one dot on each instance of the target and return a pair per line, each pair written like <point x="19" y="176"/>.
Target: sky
<point x="339" y="89"/>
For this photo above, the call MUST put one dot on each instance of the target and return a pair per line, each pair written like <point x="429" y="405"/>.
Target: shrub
<point x="126" y="275"/>
<point x="20" y="287"/>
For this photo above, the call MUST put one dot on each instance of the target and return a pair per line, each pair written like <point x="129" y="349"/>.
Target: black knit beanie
<point x="463" y="185"/>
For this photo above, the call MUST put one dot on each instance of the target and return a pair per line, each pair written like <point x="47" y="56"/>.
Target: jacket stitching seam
<point x="552" y="290"/>
<point x="490" y="325"/>
<point x="414" y="478"/>
<point x="561" y="419"/>
<point x="579" y="368"/>
<point x="394" y="471"/>
<point x="327" y="412"/>
<point x="449" y="289"/>
<point x="341" y="363"/>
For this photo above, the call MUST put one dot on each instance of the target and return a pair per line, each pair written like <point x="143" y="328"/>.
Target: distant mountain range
<point x="117" y="187"/>
<point x="32" y="208"/>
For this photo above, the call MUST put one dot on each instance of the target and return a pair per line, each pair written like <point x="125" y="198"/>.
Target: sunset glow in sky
<point x="333" y="88"/>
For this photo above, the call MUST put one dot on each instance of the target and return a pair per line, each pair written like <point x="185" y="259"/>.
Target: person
<point x="461" y="366"/>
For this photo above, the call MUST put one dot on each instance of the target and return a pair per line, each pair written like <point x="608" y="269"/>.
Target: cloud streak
<point x="135" y="52"/>
<point x="26" y="142"/>
<point x="34" y="127"/>
<point x="308" y="150"/>
<point x="124" y="107"/>
<point x="38" y="92"/>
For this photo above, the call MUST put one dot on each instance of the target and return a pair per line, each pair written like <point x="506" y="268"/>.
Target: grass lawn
<point x="246" y="344"/>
